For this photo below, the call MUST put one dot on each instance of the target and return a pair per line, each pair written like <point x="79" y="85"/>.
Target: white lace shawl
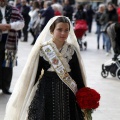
<point x="66" y="52"/>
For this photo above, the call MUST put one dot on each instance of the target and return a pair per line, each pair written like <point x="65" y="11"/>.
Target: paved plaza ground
<point x="109" y="88"/>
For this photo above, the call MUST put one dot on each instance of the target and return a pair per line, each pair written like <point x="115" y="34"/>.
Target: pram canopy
<point x="80" y="28"/>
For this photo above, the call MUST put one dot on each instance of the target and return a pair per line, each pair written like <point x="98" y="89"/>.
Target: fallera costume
<point x="48" y="97"/>
<point x="53" y="99"/>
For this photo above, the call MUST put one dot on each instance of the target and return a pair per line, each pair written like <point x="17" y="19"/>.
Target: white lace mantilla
<point x="65" y="53"/>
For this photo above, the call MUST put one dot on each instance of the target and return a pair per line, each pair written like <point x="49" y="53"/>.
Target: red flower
<point x="88" y="99"/>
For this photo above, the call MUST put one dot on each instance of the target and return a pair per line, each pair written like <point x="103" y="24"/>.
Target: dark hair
<point x="58" y="20"/>
<point x="36" y="4"/>
<point x="110" y="3"/>
<point x="49" y="3"/>
<point x="80" y="7"/>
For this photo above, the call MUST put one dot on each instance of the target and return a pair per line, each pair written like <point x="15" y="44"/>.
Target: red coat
<point x="118" y="12"/>
<point x="57" y="13"/>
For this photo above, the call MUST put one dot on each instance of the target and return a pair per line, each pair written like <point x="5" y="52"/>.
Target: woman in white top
<point x="35" y="21"/>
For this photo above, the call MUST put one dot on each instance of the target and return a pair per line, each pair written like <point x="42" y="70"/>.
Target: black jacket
<point x="25" y="12"/>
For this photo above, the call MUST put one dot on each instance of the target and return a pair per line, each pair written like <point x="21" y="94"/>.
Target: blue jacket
<point x="48" y="14"/>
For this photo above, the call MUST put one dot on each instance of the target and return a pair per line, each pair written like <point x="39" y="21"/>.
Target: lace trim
<point x="66" y="53"/>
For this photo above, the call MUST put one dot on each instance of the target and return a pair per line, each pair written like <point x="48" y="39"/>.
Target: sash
<point x="56" y="62"/>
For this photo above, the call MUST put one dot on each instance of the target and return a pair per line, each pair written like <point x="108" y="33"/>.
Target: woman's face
<point x="101" y="9"/>
<point x="61" y="32"/>
<point x="110" y="7"/>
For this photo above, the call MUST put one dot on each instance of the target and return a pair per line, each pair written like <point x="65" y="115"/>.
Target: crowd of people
<point x="36" y="14"/>
<point x="105" y="16"/>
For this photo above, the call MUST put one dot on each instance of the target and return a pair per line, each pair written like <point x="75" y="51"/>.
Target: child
<point x="52" y="96"/>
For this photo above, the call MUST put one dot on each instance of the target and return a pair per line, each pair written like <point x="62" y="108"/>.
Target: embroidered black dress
<point x="53" y="100"/>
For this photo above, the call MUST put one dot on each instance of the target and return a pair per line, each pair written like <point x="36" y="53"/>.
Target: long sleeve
<point x="76" y="71"/>
<point x="18" y="20"/>
<point x="18" y="25"/>
<point x="40" y="66"/>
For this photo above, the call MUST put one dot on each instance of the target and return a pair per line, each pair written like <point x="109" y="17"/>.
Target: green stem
<point x="88" y="114"/>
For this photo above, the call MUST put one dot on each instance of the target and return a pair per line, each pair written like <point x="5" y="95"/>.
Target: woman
<point x="34" y="24"/>
<point x="107" y="18"/>
<point x="100" y="11"/>
<point x="52" y="97"/>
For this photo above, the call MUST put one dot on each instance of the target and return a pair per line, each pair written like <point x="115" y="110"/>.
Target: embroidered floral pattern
<point x="65" y="54"/>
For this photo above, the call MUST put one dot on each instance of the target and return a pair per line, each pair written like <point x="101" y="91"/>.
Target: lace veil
<point x="24" y="91"/>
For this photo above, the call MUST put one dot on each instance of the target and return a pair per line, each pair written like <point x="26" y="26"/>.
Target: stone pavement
<point x="109" y="88"/>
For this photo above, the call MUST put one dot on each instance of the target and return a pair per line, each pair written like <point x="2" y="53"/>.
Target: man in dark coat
<point x="25" y="10"/>
<point x="47" y="14"/>
<point x="68" y="10"/>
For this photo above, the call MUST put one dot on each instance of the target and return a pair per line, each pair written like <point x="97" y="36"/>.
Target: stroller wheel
<point x="104" y="74"/>
<point x="118" y="74"/>
<point x="112" y="74"/>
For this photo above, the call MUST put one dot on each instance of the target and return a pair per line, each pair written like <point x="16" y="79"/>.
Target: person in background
<point x="42" y="4"/>
<point x="34" y="16"/>
<point x="110" y="16"/>
<point x="80" y="14"/>
<point x="98" y="14"/>
<point x="56" y="11"/>
<point x="90" y="14"/>
<point x="68" y="9"/>
<point x="47" y="13"/>
<point x="80" y="21"/>
<point x="11" y="21"/>
<point x="31" y="4"/>
<point x="57" y="7"/>
<point x="11" y="3"/>
<point x="49" y="97"/>
<point x="118" y="12"/>
<point x="18" y="6"/>
<point x="25" y="12"/>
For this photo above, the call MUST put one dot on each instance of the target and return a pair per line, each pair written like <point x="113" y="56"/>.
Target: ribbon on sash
<point x="56" y="62"/>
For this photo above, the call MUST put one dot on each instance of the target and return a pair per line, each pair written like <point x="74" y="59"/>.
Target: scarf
<point x="11" y="46"/>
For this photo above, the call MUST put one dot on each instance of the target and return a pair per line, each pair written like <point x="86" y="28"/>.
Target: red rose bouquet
<point x="88" y="100"/>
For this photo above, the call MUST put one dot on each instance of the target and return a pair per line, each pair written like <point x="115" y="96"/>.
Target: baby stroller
<point x="113" y="66"/>
<point x="80" y="29"/>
